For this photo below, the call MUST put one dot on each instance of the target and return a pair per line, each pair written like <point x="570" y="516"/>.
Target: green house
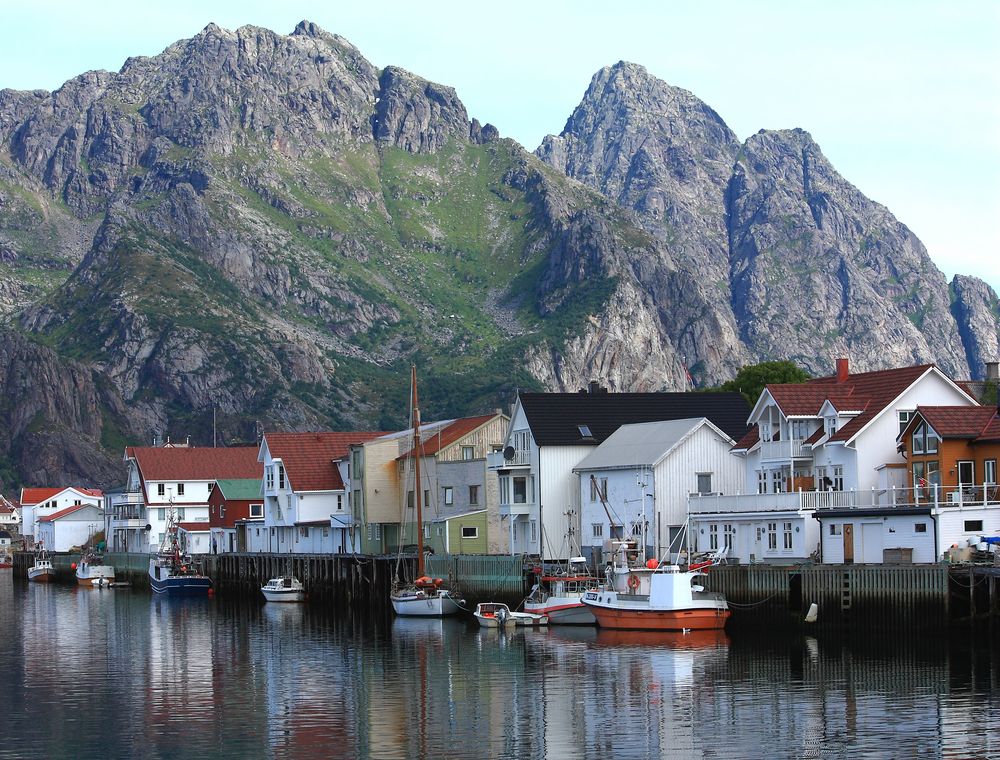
<point x="464" y="533"/>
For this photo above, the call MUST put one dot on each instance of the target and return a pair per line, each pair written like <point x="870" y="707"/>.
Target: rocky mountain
<point x="784" y="257"/>
<point x="263" y="230"/>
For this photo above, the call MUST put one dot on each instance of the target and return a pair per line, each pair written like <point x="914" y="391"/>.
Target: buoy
<point x="813" y="613"/>
<point x="652" y="564"/>
<point x="72" y="566"/>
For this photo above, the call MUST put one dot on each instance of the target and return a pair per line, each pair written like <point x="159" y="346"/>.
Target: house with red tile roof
<point x="37" y="503"/>
<point x="459" y="496"/>
<point x="306" y="488"/>
<point x="165" y="481"/>
<point x="826" y="444"/>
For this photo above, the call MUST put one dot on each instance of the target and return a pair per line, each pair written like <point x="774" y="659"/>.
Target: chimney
<point x="843" y="370"/>
<point x="992" y="371"/>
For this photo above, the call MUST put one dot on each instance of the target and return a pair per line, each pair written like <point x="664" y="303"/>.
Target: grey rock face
<point x="977" y="312"/>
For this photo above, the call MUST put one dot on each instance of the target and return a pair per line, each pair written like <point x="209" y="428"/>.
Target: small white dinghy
<point x="498" y="615"/>
<point x="284" y="589"/>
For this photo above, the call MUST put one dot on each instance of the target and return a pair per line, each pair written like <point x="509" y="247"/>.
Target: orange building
<point x="954" y="448"/>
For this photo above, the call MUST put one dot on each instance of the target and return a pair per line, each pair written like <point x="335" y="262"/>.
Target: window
<point x="269" y="478"/>
<point x="598" y="488"/>
<point x="729" y="535"/>
<point x="340" y="502"/>
<point x="449" y="496"/>
<point x="990" y="471"/>
<point x="618" y="531"/>
<point x="326" y="532"/>
<point x="713" y="537"/>
<point x="776" y="481"/>
<point x="304" y="531"/>
<point x="473" y="494"/>
<point x="830" y="425"/>
<point x="924" y="440"/>
<point x="704" y="482"/>
<point x="761" y="481"/>
<point x="256" y="511"/>
<point x="355" y="471"/>
<point x="161" y="489"/>
<point x="521" y="490"/>
<point x="427" y="530"/>
<point x="427" y="497"/>
<point x="973" y="526"/>
<point x="468" y="453"/>
<point x="904" y="420"/>
<point x="772" y="536"/>
<point x="410" y="501"/>
<point x="356" y="499"/>
<point x="180" y="489"/>
<point x="800" y="430"/>
<point x="926" y="475"/>
<point x="534" y="531"/>
<point x="585" y="431"/>
<point x="440" y="531"/>
<point x="597" y="530"/>
<point x="180" y="513"/>
<point x="823" y="483"/>
<point x="374" y="531"/>
<point x="836" y="529"/>
<point x="920" y="528"/>
<point x="787" y="534"/>
<point x="468" y="532"/>
<point x="513" y="531"/>
<point x="521" y="441"/>
<point x="281" y="476"/>
<point x="966" y="473"/>
<point x="838" y="478"/>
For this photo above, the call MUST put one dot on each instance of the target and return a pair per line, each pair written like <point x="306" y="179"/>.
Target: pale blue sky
<point x="903" y="96"/>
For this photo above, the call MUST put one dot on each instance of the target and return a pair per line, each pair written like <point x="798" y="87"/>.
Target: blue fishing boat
<point x="173" y="572"/>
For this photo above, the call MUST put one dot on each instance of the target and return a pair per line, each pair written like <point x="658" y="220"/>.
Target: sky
<point x="903" y="96"/>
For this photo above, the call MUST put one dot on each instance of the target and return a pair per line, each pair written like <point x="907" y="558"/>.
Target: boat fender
<point x="813" y="613"/>
<point x="438" y="582"/>
<point x="633" y="581"/>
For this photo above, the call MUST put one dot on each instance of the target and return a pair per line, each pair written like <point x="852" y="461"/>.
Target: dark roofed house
<point x="551" y="433"/>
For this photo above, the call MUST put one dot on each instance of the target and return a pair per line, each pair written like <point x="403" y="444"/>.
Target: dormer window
<point x="830" y="426"/>
<point x="924" y="440"/>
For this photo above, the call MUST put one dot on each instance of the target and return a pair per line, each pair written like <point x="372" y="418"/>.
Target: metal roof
<point x="643" y="444"/>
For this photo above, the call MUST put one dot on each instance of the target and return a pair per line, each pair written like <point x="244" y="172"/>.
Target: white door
<point x="871" y="543"/>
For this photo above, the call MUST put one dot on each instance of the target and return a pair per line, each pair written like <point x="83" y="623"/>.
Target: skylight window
<point x="585" y="431"/>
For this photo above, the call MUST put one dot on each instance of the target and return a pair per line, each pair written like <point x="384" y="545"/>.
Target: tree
<point x="751" y="379"/>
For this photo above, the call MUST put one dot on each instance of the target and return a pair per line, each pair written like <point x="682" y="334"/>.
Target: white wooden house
<point x="37" y="503"/>
<point x="550" y="434"/>
<point x="636" y="484"/>
<point x="70" y="527"/>
<point x="829" y="443"/>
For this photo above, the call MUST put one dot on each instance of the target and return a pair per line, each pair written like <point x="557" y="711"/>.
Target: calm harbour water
<point x="87" y="673"/>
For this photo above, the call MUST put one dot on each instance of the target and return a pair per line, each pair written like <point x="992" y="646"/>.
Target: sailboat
<point x="425" y="596"/>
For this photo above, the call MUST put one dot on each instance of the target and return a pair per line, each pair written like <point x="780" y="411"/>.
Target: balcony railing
<point x="517" y="508"/>
<point x="495" y="459"/>
<point x="987" y="495"/>
<point x="784" y="450"/>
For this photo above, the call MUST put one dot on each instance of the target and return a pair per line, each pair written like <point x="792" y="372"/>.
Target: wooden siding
<point x="482" y="439"/>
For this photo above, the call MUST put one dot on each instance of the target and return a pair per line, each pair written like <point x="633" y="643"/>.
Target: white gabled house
<point x="306" y="490"/>
<point x="636" y="484"/>
<point x="37" y="503"/>
<point x="829" y="443"/>
<point x="551" y="433"/>
<point x="70" y="527"/>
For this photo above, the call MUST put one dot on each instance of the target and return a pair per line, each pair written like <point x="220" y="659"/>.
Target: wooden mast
<point x="416" y="468"/>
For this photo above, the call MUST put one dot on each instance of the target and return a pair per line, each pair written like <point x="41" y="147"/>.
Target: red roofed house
<point x="10" y="515"/>
<point x="460" y="496"/>
<point x="41" y="502"/>
<point x="162" y="480"/>
<point x="306" y="489"/>
<point x="827" y="444"/>
<point x="70" y="527"/>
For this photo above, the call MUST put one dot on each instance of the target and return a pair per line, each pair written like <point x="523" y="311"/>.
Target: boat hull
<point x="566" y="613"/>
<point x="43" y="575"/>
<point x="284" y="595"/>
<point x="95" y="575"/>
<point x="181" y="585"/>
<point x="440" y="604"/>
<point x="703" y="619"/>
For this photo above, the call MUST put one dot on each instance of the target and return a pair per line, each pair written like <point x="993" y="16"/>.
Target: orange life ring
<point x="633" y="581"/>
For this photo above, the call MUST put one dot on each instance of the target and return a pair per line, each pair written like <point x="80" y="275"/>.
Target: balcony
<point x="495" y="460"/>
<point x="935" y="497"/>
<point x="782" y="451"/>
<point x="519" y="508"/>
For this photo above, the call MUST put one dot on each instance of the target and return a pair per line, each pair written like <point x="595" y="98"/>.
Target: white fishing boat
<point x="499" y="615"/>
<point x="425" y="596"/>
<point x="284" y="589"/>
<point x="655" y="596"/>
<point x="559" y="595"/>
<point x="42" y="571"/>
<point x="92" y="572"/>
